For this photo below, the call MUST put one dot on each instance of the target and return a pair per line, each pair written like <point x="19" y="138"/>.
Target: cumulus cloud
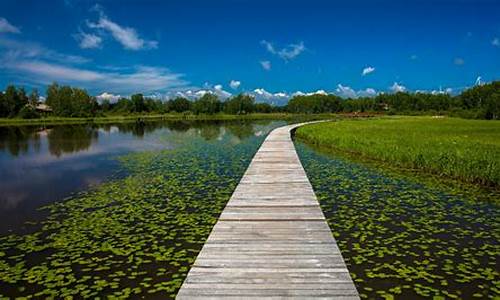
<point x="261" y="95"/>
<point x="234" y="84"/>
<point x="195" y="93"/>
<point x="5" y="26"/>
<point x="479" y="81"/>
<point x="369" y="92"/>
<point x="368" y="70"/>
<point x="262" y="92"/>
<point x="459" y="61"/>
<point x="345" y="91"/>
<point x="348" y="92"/>
<point x="496" y="42"/>
<point x="126" y="36"/>
<point x="397" y="88"/>
<point x="287" y="53"/>
<point x="88" y="40"/>
<point x="108" y="96"/>
<point x="219" y="91"/>
<point x="266" y="65"/>
<point x="318" y="92"/>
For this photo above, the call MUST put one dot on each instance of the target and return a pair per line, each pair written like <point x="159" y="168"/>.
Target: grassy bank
<point x="155" y="117"/>
<point x="467" y="150"/>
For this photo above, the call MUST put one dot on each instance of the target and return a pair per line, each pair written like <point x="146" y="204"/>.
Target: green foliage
<point x="207" y="104"/>
<point x="480" y="102"/>
<point x="179" y="105"/>
<point x="138" y="104"/>
<point x="404" y="239"/>
<point x="315" y="104"/>
<point x="241" y="104"/>
<point x="467" y="150"/>
<point x="12" y="101"/>
<point x="67" y="101"/>
<point x="28" y="112"/>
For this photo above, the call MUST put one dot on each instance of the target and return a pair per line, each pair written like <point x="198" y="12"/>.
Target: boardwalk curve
<point x="272" y="239"/>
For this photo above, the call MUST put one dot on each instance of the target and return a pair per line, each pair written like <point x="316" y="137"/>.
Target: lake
<point x="123" y="210"/>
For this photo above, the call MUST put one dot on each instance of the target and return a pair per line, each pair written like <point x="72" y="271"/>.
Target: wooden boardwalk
<point x="272" y="239"/>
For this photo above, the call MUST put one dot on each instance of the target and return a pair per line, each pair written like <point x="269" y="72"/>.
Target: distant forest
<point x="480" y="102"/>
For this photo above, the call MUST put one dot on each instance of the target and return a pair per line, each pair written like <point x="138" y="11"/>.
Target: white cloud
<point x="139" y="78"/>
<point x="298" y="93"/>
<point x="345" y="91"/>
<point x="458" y="61"/>
<point x="261" y="95"/>
<point x="318" y="92"/>
<point x="88" y="40"/>
<point x="369" y="92"/>
<point x="368" y="70"/>
<point x="15" y="50"/>
<point x="496" y="42"/>
<point x="287" y="53"/>
<point x="413" y="57"/>
<point x="108" y="96"/>
<point x="266" y="65"/>
<point x="127" y="36"/>
<point x="479" y="81"/>
<point x="348" y="92"/>
<point x="234" y="84"/>
<point x="269" y="47"/>
<point x="220" y="92"/>
<point x="280" y="95"/>
<point x="195" y="93"/>
<point x="397" y="88"/>
<point x="262" y="92"/>
<point x="5" y="26"/>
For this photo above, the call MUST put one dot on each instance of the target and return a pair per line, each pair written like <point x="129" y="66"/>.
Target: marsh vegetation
<point x="467" y="150"/>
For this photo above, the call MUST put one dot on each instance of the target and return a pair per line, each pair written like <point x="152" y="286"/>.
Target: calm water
<point x="40" y="165"/>
<point x="124" y="209"/>
<point x="405" y="239"/>
<point x="139" y="202"/>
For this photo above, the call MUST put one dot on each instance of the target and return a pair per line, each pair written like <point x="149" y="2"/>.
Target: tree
<point x="240" y="104"/>
<point x="34" y="97"/>
<point x="316" y="103"/>
<point x="70" y="102"/>
<point x="138" y="103"/>
<point x="207" y="104"/>
<point x="179" y="104"/>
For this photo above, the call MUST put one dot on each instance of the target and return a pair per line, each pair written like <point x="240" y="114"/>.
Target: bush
<point x="28" y="112"/>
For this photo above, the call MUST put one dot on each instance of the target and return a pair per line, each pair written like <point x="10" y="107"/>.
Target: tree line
<point x="482" y="101"/>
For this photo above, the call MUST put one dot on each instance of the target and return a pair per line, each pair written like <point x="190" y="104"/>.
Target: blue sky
<point x="272" y="49"/>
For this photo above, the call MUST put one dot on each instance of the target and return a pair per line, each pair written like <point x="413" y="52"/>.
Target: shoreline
<point x="164" y="117"/>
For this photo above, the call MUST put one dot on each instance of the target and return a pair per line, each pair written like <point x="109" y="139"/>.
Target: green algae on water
<point x="403" y="239"/>
<point x="136" y="236"/>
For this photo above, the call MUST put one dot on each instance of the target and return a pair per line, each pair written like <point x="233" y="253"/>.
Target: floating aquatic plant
<point x="131" y="237"/>
<point x="404" y="239"/>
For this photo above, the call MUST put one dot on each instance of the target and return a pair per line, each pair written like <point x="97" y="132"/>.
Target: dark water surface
<point x="405" y="239"/>
<point x="119" y="210"/>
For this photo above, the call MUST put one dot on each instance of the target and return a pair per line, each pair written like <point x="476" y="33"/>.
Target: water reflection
<point x="42" y="164"/>
<point x="62" y="139"/>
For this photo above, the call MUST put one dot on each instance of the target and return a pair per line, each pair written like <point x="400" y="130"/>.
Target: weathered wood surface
<point x="272" y="240"/>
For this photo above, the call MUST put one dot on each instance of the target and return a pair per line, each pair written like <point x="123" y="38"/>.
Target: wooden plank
<point x="271" y="240"/>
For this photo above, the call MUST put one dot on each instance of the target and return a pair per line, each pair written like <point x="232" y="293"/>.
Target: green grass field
<point x="467" y="150"/>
